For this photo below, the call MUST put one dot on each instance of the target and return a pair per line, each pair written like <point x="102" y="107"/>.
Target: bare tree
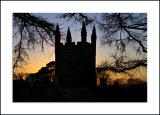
<point x="30" y="31"/>
<point x="123" y="29"/>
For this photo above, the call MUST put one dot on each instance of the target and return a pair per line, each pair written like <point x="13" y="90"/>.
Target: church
<point x="75" y="64"/>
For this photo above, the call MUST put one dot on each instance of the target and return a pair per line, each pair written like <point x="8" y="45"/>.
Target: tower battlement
<point x="75" y="63"/>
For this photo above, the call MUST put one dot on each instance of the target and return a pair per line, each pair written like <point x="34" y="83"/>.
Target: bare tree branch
<point x="30" y="31"/>
<point x="120" y="65"/>
<point x="133" y="27"/>
<point x="77" y="17"/>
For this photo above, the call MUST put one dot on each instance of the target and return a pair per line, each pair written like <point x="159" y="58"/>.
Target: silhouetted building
<point x="75" y="64"/>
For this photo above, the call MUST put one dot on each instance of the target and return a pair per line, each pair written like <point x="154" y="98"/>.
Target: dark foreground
<point x="26" y="92"/>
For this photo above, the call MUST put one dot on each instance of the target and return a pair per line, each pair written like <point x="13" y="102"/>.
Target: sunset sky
<point x="39" y="58"/>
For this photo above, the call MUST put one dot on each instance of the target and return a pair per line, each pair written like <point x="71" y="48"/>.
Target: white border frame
<point x="149" y="7"/>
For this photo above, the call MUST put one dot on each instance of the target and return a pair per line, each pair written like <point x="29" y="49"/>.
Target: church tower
<point x="75" y="63"/>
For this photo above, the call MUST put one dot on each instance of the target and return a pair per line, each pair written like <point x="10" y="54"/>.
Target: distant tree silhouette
<point x="103" y="82"/>
<point x="45" y="76"/>
<point x="136" y="81"/>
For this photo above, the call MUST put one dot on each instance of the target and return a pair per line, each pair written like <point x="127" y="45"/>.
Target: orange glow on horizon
<point x="37" y="63"/>
<point x="39" y="59"/>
